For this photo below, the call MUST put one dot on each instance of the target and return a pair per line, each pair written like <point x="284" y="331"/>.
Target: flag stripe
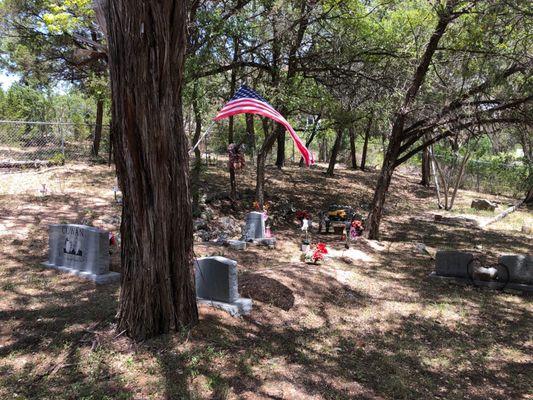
<point x="246" y="101"/>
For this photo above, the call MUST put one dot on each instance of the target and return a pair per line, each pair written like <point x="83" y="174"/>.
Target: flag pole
<point x="203" y="136"/>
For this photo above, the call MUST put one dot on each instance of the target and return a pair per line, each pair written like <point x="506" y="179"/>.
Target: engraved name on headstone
<point x="80" y="250"/>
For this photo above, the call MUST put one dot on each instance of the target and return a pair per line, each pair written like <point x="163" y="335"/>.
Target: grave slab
<point x="237" y="244"/>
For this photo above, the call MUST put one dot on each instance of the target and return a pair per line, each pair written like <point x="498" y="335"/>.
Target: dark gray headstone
<point x="255" y="226"/>
<point x="452" y="263"/>
<point x="520" y="268"/>
<point x="217" y="285"/>
<point x="80" y="250"/>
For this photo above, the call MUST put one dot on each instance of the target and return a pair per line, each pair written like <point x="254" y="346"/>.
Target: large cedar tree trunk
<point x="98" y="127"/>
<point x="146" y="57"/>
<point x="335" y="152"/>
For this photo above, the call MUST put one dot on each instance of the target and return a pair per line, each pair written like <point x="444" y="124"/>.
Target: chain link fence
<point x="493" y="177"/>
<point x="27" y="143"/>
<point x="36" y="155"/>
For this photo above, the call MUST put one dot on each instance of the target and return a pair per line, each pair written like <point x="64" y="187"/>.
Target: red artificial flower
<point x="321" y="247"/>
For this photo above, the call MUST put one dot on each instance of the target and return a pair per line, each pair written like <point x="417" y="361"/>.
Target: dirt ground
<point x="367" y="324"/>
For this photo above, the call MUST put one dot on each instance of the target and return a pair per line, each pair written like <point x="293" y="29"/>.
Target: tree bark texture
<point x="98" y="127"/>
<point x="335" y="152"/>
<point x="147" y="42"/>
<point x="353" y="154"/>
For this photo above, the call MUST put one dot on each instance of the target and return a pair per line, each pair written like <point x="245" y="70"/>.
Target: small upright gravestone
<point x="80" y="250"/>
<point x="452" y="263"/>
<point x="217" y="285"/>
<point x="520" y="268"/>
<point x="255" y="226"/>
<point x="255" y="231"/>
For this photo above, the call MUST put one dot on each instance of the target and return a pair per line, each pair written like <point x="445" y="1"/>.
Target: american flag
<point x="247" y="101"/>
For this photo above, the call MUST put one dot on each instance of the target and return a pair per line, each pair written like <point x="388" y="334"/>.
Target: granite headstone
<point x="217" y="285"/>
<point x="520" y="268"/>
<point x="255" y="226"/>
<point x="80" y="250"/>
<point x="452" y="263"/>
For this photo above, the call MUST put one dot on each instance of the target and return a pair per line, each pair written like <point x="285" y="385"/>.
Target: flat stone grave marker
<point x="217" y="285"/>
<point x="80" y="250"/>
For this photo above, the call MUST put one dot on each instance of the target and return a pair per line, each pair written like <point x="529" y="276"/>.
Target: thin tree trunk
<point x="268" y="142"/>
<point x="110" y="154"/>
<point x="435" y="175"/>
<point x="397" y="133"/>
<point x="426" y="175"/>
<point x="270" y="139"/>
<point x="233" y="86"/>
<point x="383" y="184"/>
<point x="280" y="155"/>
<point x="310" y="139"/>
<point x="460" y="174"/>
<point x="98" y="127"/>
<point x="151" y="151"/>
<point x="232" y="181"/>
<point x="444" y="182"/>
<point x="335" y="152"/>
<point x="529" y="196"/>
<point x="352" y="147"/>
<point x="250" y="130"/>
<point x="197" y="165"/>
<point x="365" y="150"/>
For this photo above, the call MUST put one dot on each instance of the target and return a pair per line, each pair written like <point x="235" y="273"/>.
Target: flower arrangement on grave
<point x="316" y="255"/>
<point x="356" y="229"/>
<point x="112" y="239"/>
<point x="302" y="214"/>
<point x="236" y="156"/>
